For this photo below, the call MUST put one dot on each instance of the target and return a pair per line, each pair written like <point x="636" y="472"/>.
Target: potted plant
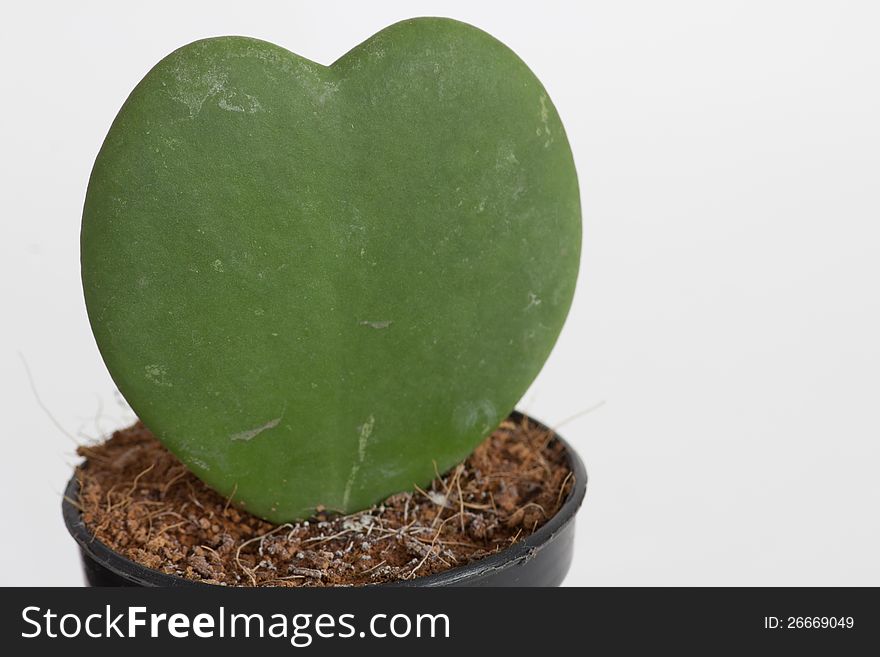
<point x="323" y="286"/>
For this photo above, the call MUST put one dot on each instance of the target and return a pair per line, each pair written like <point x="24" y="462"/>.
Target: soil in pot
<point x="140" y="501"/>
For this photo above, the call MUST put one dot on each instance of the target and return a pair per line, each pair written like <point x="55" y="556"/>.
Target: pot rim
<point x="519" y="553"/>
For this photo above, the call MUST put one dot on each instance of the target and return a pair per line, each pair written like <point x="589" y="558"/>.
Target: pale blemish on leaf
<point x="479" y="415"/>
<point x="193" y="86"/>
<point x="364" y="433"/>
<point x="545" y="122"/>
<point x="534" y="300"/>
<point x="199" y="463"/>
<point x="239" y="102"/>
<point x="328" y="91"/>
<point x="157" y="374"/>
<point x="385" y="323"/>
<point x="505" y="158"/>
<point x="256" y="431"/>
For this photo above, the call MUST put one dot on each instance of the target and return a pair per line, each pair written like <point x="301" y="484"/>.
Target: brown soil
<point x="141" y="501"/>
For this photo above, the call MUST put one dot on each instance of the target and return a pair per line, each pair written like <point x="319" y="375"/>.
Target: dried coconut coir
<point x="140" y="501"/>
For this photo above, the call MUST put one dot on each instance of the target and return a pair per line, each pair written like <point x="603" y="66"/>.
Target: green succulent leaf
<point x="316" y="284"/>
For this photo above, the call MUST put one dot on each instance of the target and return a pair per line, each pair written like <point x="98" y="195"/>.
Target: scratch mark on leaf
<point x="256" y="431"/>
<point x="364" y="433"/>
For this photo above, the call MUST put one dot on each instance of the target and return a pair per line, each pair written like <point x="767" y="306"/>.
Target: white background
<point x="727" y="311"/>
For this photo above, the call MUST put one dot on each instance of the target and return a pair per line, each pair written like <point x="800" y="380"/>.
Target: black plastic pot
<point x="542" y="559"/>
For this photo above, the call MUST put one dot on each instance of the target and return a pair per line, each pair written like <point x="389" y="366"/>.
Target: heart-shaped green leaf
<point x="318" y="284"/>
